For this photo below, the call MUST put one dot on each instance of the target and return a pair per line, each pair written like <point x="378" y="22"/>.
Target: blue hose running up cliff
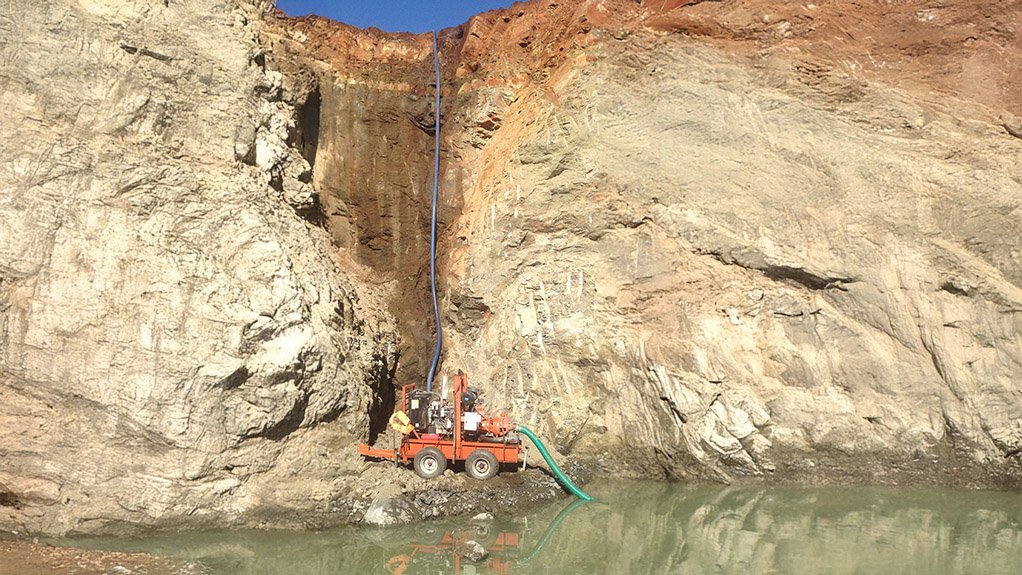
<point x="432" y="233"/>
<point x="553" y="465"/>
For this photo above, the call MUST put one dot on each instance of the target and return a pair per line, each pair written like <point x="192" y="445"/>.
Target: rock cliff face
<point x="776" y="270"/>
<point x="681" y="239"/>
<point x="177" y="342"/>
<point x="782" y="242"/>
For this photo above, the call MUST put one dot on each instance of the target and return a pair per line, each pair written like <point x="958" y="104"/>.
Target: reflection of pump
<point x="501" y="546"/>
<point x="398" y="564"/>
<point x="444" y="553"/>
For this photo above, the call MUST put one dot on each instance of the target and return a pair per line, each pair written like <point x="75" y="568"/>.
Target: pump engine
<point x="432" y="414"/>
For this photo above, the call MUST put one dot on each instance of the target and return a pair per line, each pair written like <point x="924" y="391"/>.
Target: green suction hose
<point x="553" y="466"/>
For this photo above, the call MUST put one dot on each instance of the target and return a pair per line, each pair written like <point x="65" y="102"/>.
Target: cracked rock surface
<point x="702" y="266"/>
<point x="176" y="345"/>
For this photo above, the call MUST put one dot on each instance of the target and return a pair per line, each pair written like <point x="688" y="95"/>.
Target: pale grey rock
<point x="177" y="346"/>
<point x="390" y="510"/>
<point x="473" y="551"/>
<point x="1012" y="124"/>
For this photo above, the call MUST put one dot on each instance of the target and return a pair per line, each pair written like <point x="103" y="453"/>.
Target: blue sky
<point x="394" y="15"/>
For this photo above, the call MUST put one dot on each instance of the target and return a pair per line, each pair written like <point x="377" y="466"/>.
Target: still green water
<point x="646" y="527"/>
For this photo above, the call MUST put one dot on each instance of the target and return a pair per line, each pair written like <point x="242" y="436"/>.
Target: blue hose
<point x="432" y="237"/>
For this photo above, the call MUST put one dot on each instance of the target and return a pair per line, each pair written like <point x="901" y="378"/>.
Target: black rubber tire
<point x="482" y="465"/>
<point x="429" y="463"/>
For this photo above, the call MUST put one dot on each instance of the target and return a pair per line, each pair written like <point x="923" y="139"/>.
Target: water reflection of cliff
<point x="658" y="528"/>
<point x="676" y="529"/>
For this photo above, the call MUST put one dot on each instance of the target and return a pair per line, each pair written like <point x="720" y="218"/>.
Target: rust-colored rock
<point x="558" y="153"/>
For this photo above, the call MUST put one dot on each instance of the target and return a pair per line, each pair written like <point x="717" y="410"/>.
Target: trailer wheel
<point x="481" y="464"/>
<point x="429" y="463"/>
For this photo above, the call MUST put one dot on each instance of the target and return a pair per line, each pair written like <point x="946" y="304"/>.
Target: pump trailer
<point x="438" y="431"/>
